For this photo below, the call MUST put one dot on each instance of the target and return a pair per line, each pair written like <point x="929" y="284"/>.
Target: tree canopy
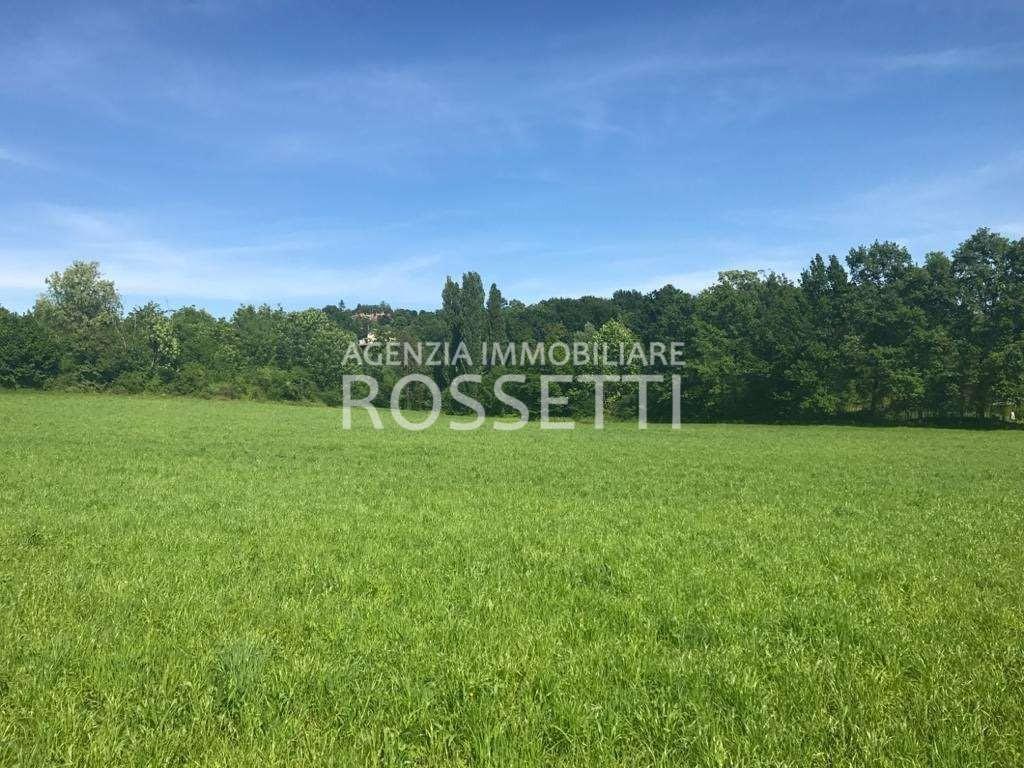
<point x="878" y="336"/>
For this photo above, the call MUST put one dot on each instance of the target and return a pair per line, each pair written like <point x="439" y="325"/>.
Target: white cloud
<point x="925" y="213"/>
<point x="953" y="59"/>
<point x="292" y="272"/>
<point x="1013" y="229"/>
<point x="378" y="115"/>
<point x="19" y="158"/>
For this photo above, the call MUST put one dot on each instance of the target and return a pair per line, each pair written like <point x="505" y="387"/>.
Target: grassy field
<point x="238" y="584"/>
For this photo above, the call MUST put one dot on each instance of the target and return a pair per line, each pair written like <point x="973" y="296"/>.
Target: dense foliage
<point x="879" y="337"/>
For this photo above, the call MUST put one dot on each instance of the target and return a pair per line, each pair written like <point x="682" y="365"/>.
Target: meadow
<point x="187" y="582"/>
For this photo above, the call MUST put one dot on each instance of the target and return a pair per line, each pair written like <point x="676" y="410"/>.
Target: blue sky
<point x="225" y="152"/>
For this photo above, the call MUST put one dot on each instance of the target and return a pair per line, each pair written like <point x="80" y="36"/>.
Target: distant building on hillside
<point x="372" y="313"/>
<point x="370" y="317"/>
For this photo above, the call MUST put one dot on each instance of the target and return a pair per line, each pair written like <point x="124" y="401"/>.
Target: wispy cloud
<point x="619" y="122"/>
<point x="958" y="59"/>
<point x="293" y="272"/>
<point x="933" y="212"/>
<point x="17" y="157"/>
<point x="925" y="211"/>
<point x="639" y="90"/>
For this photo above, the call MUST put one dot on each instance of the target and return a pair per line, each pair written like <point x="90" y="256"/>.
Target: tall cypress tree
<point x="451" y="311"/>
<point x="495" y="315"/>
<point x="474" y="318"/>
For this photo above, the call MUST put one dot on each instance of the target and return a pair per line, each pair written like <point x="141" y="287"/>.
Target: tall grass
<point x="237" y="584"/>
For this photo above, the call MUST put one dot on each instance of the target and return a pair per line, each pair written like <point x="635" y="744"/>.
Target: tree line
<point x="875" y="337"/>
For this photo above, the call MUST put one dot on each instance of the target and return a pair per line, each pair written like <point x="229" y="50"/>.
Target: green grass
<point x="236" y="584"/>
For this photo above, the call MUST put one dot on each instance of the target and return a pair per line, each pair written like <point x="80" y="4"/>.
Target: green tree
<point x="748" y="335"/>
<point x="883" y="278"/>
<point x="821" y="373"/>
<point x="259" y="334"/>
<point x="317" y="346"/>
<point x="474" y="319"/>
<point x="451" y="313"/>
<point x="84" y="313"/>
<point x="495" y="315"/>
<point x="153" y="348"/>
<point x="29" y="355"/>
<point x="987" y="269"/>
